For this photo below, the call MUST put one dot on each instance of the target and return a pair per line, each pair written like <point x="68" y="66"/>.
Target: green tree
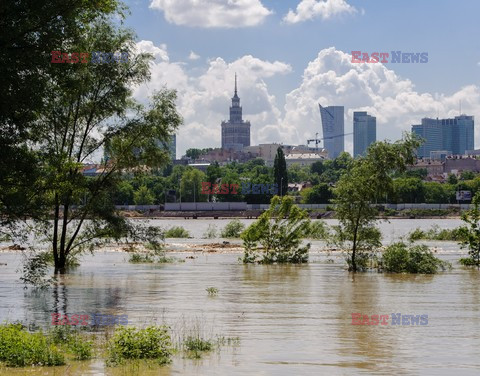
<point x="318" y="194"/>
<point x="86" y="109"/>
<point x="143" y="196"/>
<point x="124" y="193"/>
<point x="452" y="179"/>
<point x="29" y="31"/>
<point x="276" y="237"/>
<point x="467" y="175"/>
<point x="192" y="185"/>
<point x="409" y="190"/>
<point x="437" y="193"/>
<point x="367" y="178"/>
<point x="280" y="172"/>
<point x="471" y="231"/>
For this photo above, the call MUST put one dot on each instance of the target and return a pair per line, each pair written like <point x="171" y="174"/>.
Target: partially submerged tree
<point x="471" y="232"/>
<point x="366" y="179"/>
<point x="276" y="237"/>
<point x="89" y="108"/>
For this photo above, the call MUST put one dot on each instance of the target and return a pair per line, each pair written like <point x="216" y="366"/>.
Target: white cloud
<point x="149" y="47"/>
<point x="204" y="100"/>
<point x="332" y="79"/>
<point x="213" y="13"/>
<point x="193" y="56"/>
<point x="325" y="9"/>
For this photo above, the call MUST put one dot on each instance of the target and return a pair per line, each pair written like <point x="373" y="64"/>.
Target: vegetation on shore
<point x="436" y="233"/>
<point x="176" y="232"/>
<point x="233" y="229"/>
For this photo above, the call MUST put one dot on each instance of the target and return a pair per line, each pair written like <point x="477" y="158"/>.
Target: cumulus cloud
<point x="193" y="56"/>
<point x="325" y="9"/>
<point x="213" y="13"/>
<point x="332" y="79"/>
<point x="204" y="100"/>
<point x="159" y="53"/>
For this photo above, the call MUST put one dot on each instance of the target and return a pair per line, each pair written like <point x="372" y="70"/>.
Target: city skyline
<point x="198" y="46"/>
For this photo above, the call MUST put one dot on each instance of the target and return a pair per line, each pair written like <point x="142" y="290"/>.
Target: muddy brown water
<point x="290" y="320"/>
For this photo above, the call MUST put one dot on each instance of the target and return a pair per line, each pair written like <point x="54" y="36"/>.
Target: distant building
<point x="333" y="129"/>
<point x="306" y="159"/>
<point x="456" y="136"/>
<point x="236" y="131"/>
<point x="364" y="132"/>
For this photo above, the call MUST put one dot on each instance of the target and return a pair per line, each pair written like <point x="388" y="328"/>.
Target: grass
<point x="153" y="342"/>
<point x="233" y="229"/>
<point x="20" y="348"/>
<point x="177" y="232"/>
<point x="399" y="258"/>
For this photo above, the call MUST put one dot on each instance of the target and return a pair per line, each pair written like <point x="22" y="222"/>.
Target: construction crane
<point x="318" y="140"/>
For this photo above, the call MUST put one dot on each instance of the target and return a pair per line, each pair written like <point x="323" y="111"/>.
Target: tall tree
<point x="29" y="31"/>
<point x="366" y="179"/>
<point x="89" y="107"/>
<point x="280" y="172"/>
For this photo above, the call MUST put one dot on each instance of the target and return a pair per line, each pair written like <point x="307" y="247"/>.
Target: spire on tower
<point x="235" y="83"/>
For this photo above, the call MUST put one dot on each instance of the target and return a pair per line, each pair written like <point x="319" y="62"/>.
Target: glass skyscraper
<point x="364" y="132"/>
<point x="333" y="129"/>
<point x="452" y="135"/>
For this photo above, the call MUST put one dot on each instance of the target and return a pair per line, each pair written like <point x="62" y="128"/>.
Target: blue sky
<point x="288" y="64"/>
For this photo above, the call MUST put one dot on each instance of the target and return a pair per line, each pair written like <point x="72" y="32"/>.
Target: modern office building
<point x="333" y="129"/>
<point x="364" y="132"/>
<point x="455" y="136"/>
<point x="236" y="131"/>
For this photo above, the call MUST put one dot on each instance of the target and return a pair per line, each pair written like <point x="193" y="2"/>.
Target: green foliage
<point x="452" y="179"/>
<point x="233" y="229"/>
<point x="212" y="291"/>
<point x="280" y="174"/>
<point x="196" y="346"/>
<point x="318" y="230"/>
<point x="153" y="342"/>
<point x="365" y="179"/>
<point x="279" y="231"/>
<point x="471" y="231"/>
<point x="143" y="196"/>
<point x="177" y="232"/>
<point x="19" y="348"/>
<point x="399" y="258"/>
<point x="467" y="175"/>
<point x="196" y="153"/>
<point x="468" y="261"/>
<point x="435" y="233"/>
<point x="211" y="232"/>
<point x="425" y="212"/>
<point x="318" y="194"/>
<point x="191" y="185"/>
<point x="409" y="190"/>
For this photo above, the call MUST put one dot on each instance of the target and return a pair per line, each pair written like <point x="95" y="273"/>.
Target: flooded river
<point x="290" y="320"/>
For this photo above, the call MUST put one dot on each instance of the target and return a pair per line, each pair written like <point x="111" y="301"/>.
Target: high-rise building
<point x="236" y="131"/>
<point x="333" y="129"/>
<point x="455" y="136"/>
<point x="364" y="132"/>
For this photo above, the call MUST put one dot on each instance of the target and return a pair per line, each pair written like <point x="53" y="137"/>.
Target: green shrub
<point x="211" y="232"/>
<point x="196" y="345"/>
<point x="19" y="348"/>
<point x="153" y="342"/>
<point x="212" y="291"/>
<point x="435" y="233"/>
<point x="468" y="261"/>
<point x="399" y="258"/>
<point x="233" y="229"/>
<point x="177" y="232"/>
<point x="318" y="230"/>
<point x="139" y="258"/>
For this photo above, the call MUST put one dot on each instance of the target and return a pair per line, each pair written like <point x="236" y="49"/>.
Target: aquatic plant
<point x="212" y="291"/>
<point x="233" y="229"/>
<point x="399" y="258"/>
<point x="153" y="342"/>
<point x="318" y="230"/>
<point x="211" y="232"/>
<point x="177" y="232"/>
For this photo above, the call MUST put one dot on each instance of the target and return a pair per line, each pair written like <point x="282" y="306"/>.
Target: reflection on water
<point x="291" y="320"/>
